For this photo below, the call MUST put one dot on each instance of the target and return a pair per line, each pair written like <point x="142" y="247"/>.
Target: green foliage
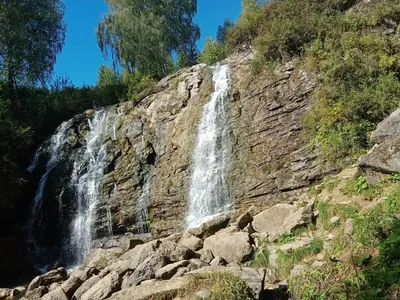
<point x="346" y="211"/>
<point x="323" y="213"/>
<point x="360" y="186"/>
<point x="142" y="36"/>
<point x="221" y="286"/>
<point x="32" y="34"/>
<point x="135" y="83"/>
<point x="246" y="27"/>
<point x="261" y="256"/>
<point x="213" y="52"/>
<point x="289" y="237"/>
<point x="286" y="261"/>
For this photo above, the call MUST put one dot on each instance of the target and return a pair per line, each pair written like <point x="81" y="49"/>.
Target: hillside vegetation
<point x="352" y="46"/>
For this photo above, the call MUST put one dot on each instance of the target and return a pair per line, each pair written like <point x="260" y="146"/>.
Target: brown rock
<point x="170" y="270"/>
<point x="71" y="285"/>
<point x="190" y="241"/>
<point x="103" y="288"/>
<point x="243" y="220"/>
<point x="212" y="226"/>
<point x="56" y="294"/>
<point x="47" y="279"/>
<point x="36" y="293"/>
<point x="86" y="286"/>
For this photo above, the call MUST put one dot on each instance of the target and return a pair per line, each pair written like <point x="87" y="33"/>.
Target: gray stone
<point x="174" y="251"/>
<point x="387" y="129"/>
<point x="290" y="247"/>
<point x="233" y="247"/>
<point x="282" y="218"/>
<point x="190" y="241"/>
<point x="334" y="220"/>
<point x="56" y="294"/>
<point x="138" y="254"/>
<point x="147" y="269"/>
<point x="320" y="256"/>
<point x="212" y="226"/>
<point x="36" y="293"/>
<point x="348" y="230"/>
<point x="206" y="255"/>
<point x="71" y="285"/>
<point x="103" y="288"/>
<point x="53" y="286"/>
<point x="86" y="286"/>
<point x="170" y="270"/>
<point x="218" y="261"/>
<point x="243" y="220"/>
<point x="100" y="258"/>
<point x="18" y="292"/>
<point x="84" y="273"/>
<point x="47" y="279"/>
<point x="120" y="266"/>
<point x="196" y="263"/>
<point x="167" y="289"/>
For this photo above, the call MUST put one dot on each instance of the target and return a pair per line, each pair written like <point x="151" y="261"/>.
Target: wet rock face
<point x="153" y="141"/>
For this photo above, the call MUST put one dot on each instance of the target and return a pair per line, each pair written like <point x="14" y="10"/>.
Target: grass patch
<point x="346" y="211"/>
<point x="220" y="285"/>
<point x="287" y="261"/>
<point x="289" y="237"/>
<point x="323" y="213"/>
<point x="360" y="186"/>
<point x="329" y="183"/>
<point x="260" y="257"/>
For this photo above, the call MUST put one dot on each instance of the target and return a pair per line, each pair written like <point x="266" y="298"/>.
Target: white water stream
<point x="209" y="193"/>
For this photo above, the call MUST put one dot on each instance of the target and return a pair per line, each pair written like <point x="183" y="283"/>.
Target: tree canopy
<point x="143" y="35"/>
<point x="32" y="33"/>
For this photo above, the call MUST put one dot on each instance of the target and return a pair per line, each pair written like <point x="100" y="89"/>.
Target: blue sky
<point x="81" y="57"/>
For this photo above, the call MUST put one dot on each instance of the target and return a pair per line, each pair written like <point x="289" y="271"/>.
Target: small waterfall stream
<point x="209" y="193"/>
<point x="86" y="180"/>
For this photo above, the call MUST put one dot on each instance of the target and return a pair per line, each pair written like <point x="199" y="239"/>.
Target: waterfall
<point x="209" y="193"/>
<point x="87" y="181"/>
<point x="142" y="226"/>
<point x="55" y="151"/>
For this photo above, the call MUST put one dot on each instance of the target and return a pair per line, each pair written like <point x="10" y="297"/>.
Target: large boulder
<point x="100" y="258"/>
<point x="146" y="270"/>
<point x="282" y="218"/>
<point x="232" y="247"/>
<point x="385" y="155"/>
<point x="47" y="279"/>
<point x="103" y="288"/>
<point x="190" y="241"/>
<point x="174" y="251"/>
<point x="170" y="270"/>
<point x="167" y="289"/>
<point x="56" y="294"/>
<point x="138" y="254"/>
<point x="87" y="285"/>
<point x="71" y="285"/>
<point x="212" y="226"/>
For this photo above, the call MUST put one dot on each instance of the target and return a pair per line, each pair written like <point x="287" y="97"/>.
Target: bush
<point x="213" y="52"/>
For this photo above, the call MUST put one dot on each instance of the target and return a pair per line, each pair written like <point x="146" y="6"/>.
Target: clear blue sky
<point x="81" y="57"/>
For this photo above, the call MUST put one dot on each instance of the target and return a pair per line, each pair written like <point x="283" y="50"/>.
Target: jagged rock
<point x="84" y="273"/>
<point x="47" y="279"/>
<point x="282" y="218"/>
<point x="120" y="266"/>
<point x="103" y="288"/>
<point x="100" y="258"/>
<point x="167" y="289"/>
<point x="147" y="269"/>
<point x="56" y="294"/>
<point x="233" y="247"/>
<point x="174" y="251"/>
<point x="87" y="285"/>
<point x="170" y="270"/>
<point x="190" y="241"/>
<point x="243" y="220"/>
<point x="138" y="254"/>
<point x="18" y="292"/>
<point x="334" y="220"/>
<point x="196" y="263"/>
<point x="348" y="230"/>
<point x="387" y="129"/>
<point x="212" y="226"/>
<point x="71" y="285"/>
<point x="206" y="255"/>
<point x="218" y="261"/>
<point x="36" y="293"/>
<point x="290" y="247"/>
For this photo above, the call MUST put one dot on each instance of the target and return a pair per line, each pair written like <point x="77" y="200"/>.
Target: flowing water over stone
<point x="142" y="214"/>
<point x="209" y="193"/>
<point x="86" y="181"/>
<point x="55" y="150"/>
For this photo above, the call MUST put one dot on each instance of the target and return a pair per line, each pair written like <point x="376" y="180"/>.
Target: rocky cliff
<point x="152" y="143"/>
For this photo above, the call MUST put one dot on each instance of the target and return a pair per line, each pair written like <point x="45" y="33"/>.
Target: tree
<point x="32" y="33"/>
<point x="213" y="52"/>
<point x="142" y="35"/>
<point x="222" y="30"/>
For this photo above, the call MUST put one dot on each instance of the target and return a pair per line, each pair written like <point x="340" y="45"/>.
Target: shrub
<point x="213" y="52"/>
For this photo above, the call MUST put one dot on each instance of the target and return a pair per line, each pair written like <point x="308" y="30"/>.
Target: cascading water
<point x="209" y="193"/>
<point x="86" y="180"/>
<point x="142" y="226"/>
<point x="55" y="150"/>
